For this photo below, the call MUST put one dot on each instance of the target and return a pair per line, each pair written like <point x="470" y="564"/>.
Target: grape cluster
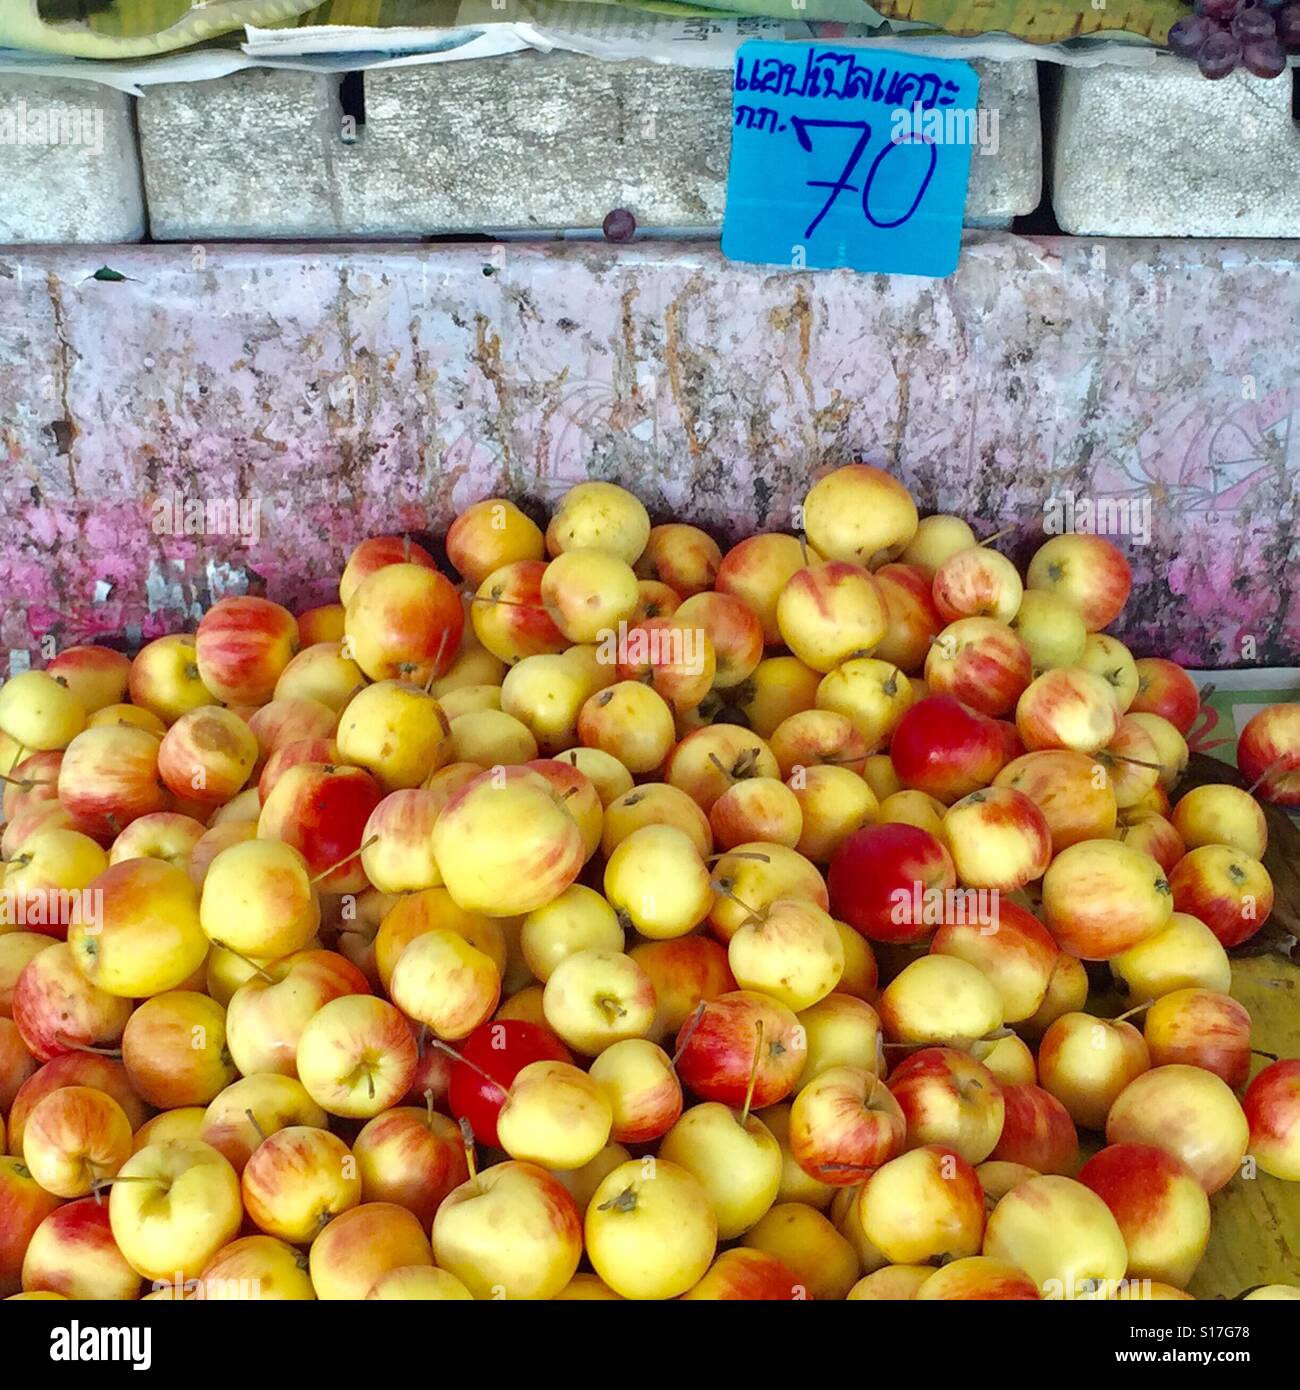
<point x="1222" y="35"/>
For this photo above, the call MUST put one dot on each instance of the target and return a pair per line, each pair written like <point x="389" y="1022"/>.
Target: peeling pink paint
<point x="362" y="389"/>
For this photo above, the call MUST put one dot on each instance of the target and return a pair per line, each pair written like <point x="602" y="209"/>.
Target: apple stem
<point x="248" y="961"/>
<point x="24" y="784"/>
<point x="688" y="1032"/>
<point x="723" y="891"/>
<point x="1259" y="1052"/>
<point x="1137" y="762"/>
<point x="1268" y="771"/>
<point x="473" y="1066"/>
<point x="471" y="1157"/>
<point x="717" y="762"/>
<point x="428" y="1106"/>
<point x="360" y="849"/>
<point x="1136" y="1009"/>
<point x="753" y="1073"/>
<point x="98" y="1185"/>
<point x="73" y="1046"/>
<point x="997" y="535"/>
<point x="437" y="660"/>
<point x="739" y="854"/>
<point x="252" y="1120"/>
<point x="507" y="602"/>
<point x="803" y="548"/>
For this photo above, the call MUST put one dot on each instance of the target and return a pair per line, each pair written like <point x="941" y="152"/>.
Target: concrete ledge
<point x="69" y="163"/>
<point x="1161" y="151"/>
<point x="527" y="142"/>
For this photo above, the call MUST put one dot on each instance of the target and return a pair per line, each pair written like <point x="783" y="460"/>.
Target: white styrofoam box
<point x="69" y="162"/>
<point x="1163" y="151"/>
<point x="528" y="142"/>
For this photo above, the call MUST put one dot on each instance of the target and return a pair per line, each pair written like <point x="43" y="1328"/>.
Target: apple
<point x="324" y="623"/>
<point x="404" y="622"/>
<point x="753" y="876"/>
<point x="258" y="899"/>
<point x="1085" y="1062"/>
<point x="1231" y="892"/>
<point x="796" y="1187"/>
<point x="1061" y="1234"/>
<point x="731" y="629"/>
<point x="711" y="759"/>
<point x="683" y="973"/>
<point x="243" y="1115"/>
<point x="244" y="807"/>
<point x="321" y="811"/>
<point x="34" y="820"/>
<point x="1160" y="1208"/>
<point x="757" y="569"/>
<point x="651" y="1232"/>
<point x="490" y="1059"/>
<point x="304" y="750"/>
<point x="1188" y="1112"/>
<point x="655" y="803"/>
<point x="241" y="647"/>
<point x="490" y="534"/>
<point x="258" y="1267"/>
<point x="1153" y="835"/>
<point x="506" y="845"/>
<point x="1272" y="1109"/>
<point x="185" y="1123"/>
<point x="833" y="803"/>
<point x="397" y="732"/>
<point x="923" y="1206"/>
<point x="940" y="999"/>
<point x="97" y="676"/>
<point x="165" y="678"/>
<point x="1202" y="1028"/>
<point x="73" y="1069"/>
<point x="39" y="711"/>
<point x="74" y="1138"/>
<point x="32" y="780"/>
<point x="841" y="1030"/>
<point x="207" y="755"/>
<point x="546" y="693"/>
<point x="1268" y="754"/>
<point x="444" y="982"/>
<point x="978" y="1277"/>
<point x="977" y="582"/>
<point x="423" y="1282"/>
<point x="947" y="750"/>
<point x="45" y="883"/>
<point x="356" y="1056"/>
<point x="914" y="621"/>
<point x="433" y="909"/>
<point x="683" y="557"/>
<point x="73" y="1253"/>
<point x="742" y="1274"/>
<point x="1016" y="952"/>
<point x="321" y="673"/>
<point x="297" y="1180"/>
<point x="657" y="883"/>
<point x="644" y="1095"/>
<point x="174" y="1050"/>
<point x="1171" y="749"/>
<point x="578" y="920"/>
<point x="758" y="808"/>
<point x="808" y="738"/>
<point x="398" y="857"/>
<point x="982" y="663"/>
<point x="588" y="593"/>
<point x="715" y="1049"/>
<point x="16" y="1065"/>
<point x="595" y="998"/>
<point x="877" y="874"/>
<point x="374" y="553"/>
<point x="946" y="1097"/>
<point x="790" y="951"/>
<point x="491" y="738"/>
<point x="809" y="1246"/>
<point x="599" y="516"/>
<point x="361" y="1245"/>
<point x="147" y="937"/>
<point x="1037" y="1131"/>
<point x="998" y="1177"/>
<point x="830" y="613"/>
<point x="1010" y="1061"/>
<point x="893" y="1283"/>
<point x="165" y="835"/>
<point x="935" y="539"/>
<point x="57" y="1009"/>
<point x="555" y="1116"/>
<point x="998" y="839"/>
<point x="179" y="1208"/>
<point x="109" y="777"/>
<point x="1088" y="571"/>
<point x="1101" y="898"/>
<point x="1220" y="814"/>
<point x="509" y="615"/>
<point x="24" y="1205"/>
<point x="857" y="512"/>
<point x="1051" y="629"/>
<point x="1164" y="688"/>
<point x="545" y="1228"/>
<point x="1183" y="954"/>
<point x="843" y="1124"/>
<point x="1068" y="707"/>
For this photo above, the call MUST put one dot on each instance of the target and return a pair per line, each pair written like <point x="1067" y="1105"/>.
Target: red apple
<point x="977" y="582"/>
<point x="57" y="1009"/>
<point x="411" y="1157"/>
<point x="1229" y="891"/>
<point x="1200" y="1028"/>
<point x="717" y="1048"/>
<point x="322" y="810"/>
<point x="914" y="621"/>
<point x="1272" y="1106"/>
<point x="1087" y="571"/>
<point x="948" y="1098"/>
<point x="242" y="644"/>
<point x="109" y="777"/>
<point x="374" y="553"/>
<point x="879" y="874"/>
<point x="24" y="1204"/>
<point x="404" y="622"/>
<point x="1268" y="754"/>
<point x="74" y="1069"/>
<point x="306" y="750"/>
<point x="843" y="1124"/>
<point x="207" y="755"/>
<point x="1037" y="1131"/>
<point x="980" y="662"/>
<point x="1068" y="707"/>
<point x="1167" y="690"/>
<point x="508" y="614"/>
<point x="73" y="1253"/>
<point x="947" y="750"/>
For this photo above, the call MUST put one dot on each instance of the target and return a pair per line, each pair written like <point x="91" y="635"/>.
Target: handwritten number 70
<point x="842" y="184"/>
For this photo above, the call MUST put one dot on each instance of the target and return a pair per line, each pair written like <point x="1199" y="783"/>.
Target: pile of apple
<point x="525" y="939"/>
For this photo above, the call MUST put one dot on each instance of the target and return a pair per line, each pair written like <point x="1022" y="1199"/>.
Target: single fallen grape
<point x="1264" y="57"/>
<point x="1188" y="34"/>
<point x="1288" y="25"/>
<point x="619" y="225"/>
<point x="1219" y="55"/>
<point x="1251" y="23"/>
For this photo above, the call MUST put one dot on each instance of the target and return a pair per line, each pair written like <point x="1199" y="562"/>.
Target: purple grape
<point x="1288" y="25"/>
<point x="1251" y="23"/>
<point x="1219" y="10"/>
<point x="1219" y="54"/>
<point x="1188" y="34"/>
<point x="619" y="225"/>
<point x="1264" y="57"/>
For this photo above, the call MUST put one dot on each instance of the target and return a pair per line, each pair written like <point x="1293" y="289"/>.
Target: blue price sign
<point x="849" y="157"/>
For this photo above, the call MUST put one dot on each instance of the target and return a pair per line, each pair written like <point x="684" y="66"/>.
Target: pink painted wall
<point x="353" y="390"/>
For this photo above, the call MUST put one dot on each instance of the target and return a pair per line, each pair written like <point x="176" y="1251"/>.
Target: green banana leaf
<point x="1040" y="21"/>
